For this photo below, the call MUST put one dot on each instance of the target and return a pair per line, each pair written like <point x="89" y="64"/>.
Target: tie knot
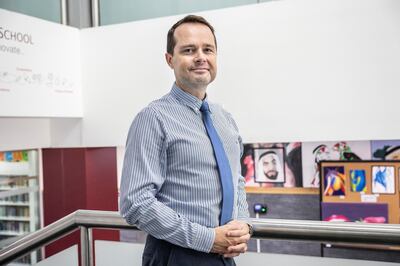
<point x="204" y="107"/>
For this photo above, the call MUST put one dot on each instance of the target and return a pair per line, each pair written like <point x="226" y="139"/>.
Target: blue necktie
<point x="224" y="168"/>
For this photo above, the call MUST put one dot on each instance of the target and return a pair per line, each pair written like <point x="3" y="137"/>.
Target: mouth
<point x="199" y="70"/>
<point x="272" y="172"/>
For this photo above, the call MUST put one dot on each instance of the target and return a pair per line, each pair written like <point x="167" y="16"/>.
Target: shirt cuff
<point x="203" y="239"/>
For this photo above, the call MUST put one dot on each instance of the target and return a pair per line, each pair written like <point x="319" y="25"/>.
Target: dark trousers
<point x="162" y="253"/>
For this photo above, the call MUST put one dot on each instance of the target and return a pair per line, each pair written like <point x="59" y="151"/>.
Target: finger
<point x="233" y="241"/>
<point x="245" y="238"/>
<point x="233" y="226"/>
<point x="231" y="255"/>
<point x="241" y="248"/>
<point x="237" y="233"/>
<point x="238" y="224"/>
<point x="238" y="248"/>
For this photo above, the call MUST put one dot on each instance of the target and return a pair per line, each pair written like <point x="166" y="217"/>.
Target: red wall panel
<point x="101" y="166"/>
<point x="78" y="178"/>
<point x="53" y="192"/>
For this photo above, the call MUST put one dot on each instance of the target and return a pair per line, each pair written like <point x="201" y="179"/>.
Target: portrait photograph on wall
<point x="383" y="181"/>
<point x="291" y="163"/>
<point x="269" y="165"/>
<point x="334" y="181"/>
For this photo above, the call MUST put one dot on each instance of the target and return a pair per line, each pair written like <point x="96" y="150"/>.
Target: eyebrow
<point x="187" y="46"/>
<point x="194" y="46"/>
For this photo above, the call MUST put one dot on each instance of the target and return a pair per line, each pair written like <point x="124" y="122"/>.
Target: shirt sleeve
<point x="243" y="209"/>
<point x="143" y="175"/>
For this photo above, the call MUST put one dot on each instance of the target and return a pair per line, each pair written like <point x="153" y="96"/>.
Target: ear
<point x="168" y="58"/>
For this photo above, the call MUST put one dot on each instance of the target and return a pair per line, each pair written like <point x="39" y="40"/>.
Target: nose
<point x="200" y="57"/>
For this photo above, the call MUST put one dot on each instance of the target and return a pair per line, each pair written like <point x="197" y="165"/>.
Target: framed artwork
<point x="269" y="165"/>
<point x="358" y="180"/>
<point x="385" y="150"/>
<point x="354" y="212"/>
<point x="247" y="163"/>
<point x="291" y="163"/>
<point x="314" y="152"/>
<point x="383" y="179"/>
<point x="334" y="181"/>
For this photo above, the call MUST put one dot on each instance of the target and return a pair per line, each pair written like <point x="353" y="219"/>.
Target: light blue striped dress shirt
<point x="170" y="186"/>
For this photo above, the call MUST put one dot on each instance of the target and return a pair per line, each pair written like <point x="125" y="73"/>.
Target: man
<point x="175" y="183"/>
<point x="270" y="167"/>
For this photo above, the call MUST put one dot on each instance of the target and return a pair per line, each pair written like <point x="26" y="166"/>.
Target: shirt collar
<point x="188" y="99"/>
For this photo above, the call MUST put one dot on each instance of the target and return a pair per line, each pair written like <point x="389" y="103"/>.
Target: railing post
<point x="91" y="246"/>
<point x="95" y="13"/>
<point x="86" y="255"/>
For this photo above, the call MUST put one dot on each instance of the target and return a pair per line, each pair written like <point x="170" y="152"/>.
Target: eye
<point x="188" y="50"/>
<point x="208" y="50"/>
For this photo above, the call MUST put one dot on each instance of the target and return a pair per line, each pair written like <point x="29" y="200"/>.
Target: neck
<point x="200" y="93"/>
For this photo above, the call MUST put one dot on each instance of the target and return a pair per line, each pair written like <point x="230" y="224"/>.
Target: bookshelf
<point x="19" y="196"/>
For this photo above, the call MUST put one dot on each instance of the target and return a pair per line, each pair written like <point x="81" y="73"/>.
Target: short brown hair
<point x="171" y="42"/>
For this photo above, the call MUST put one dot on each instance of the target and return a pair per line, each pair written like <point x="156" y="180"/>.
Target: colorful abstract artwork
<point x="385" y="149"/>
<point x="354" y="212"/>
<point x="383" y="179"/>
<point x="314" y="152"/>
<point x="14" y="156"/>
<point x="247" y="163"/>
<point x="358" y="180"/>
<point x="334" y="181"/>
<point x="293" y="165"/>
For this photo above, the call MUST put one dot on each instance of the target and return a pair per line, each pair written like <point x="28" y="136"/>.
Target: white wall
<point x="295" y="70"/>
<point x="33" y="133"/>
<point x="313" y="70"/>
<point x="123" y="70"/>
<point x="24" y="133"/>
<point x="288" y="70"/>
<point x="67" y="257"/>
<point x="66" y="132"/>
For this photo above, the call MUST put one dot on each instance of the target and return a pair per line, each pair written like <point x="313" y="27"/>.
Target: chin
<point x="201" y="82"/>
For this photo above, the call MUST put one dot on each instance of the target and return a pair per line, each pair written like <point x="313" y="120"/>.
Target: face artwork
<point x="270" y="166"/>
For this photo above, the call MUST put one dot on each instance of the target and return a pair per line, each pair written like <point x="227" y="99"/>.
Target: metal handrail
<point x="343" y="232"/>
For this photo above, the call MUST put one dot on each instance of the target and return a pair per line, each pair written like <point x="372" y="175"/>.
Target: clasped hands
<point x="231" y="239"/>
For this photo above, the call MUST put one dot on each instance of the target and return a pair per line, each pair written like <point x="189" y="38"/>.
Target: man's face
<point x="269" y="163"/>
<point x="195" y="56"/>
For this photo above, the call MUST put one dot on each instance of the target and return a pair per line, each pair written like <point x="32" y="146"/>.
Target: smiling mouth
<point x="199" y="70"/>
